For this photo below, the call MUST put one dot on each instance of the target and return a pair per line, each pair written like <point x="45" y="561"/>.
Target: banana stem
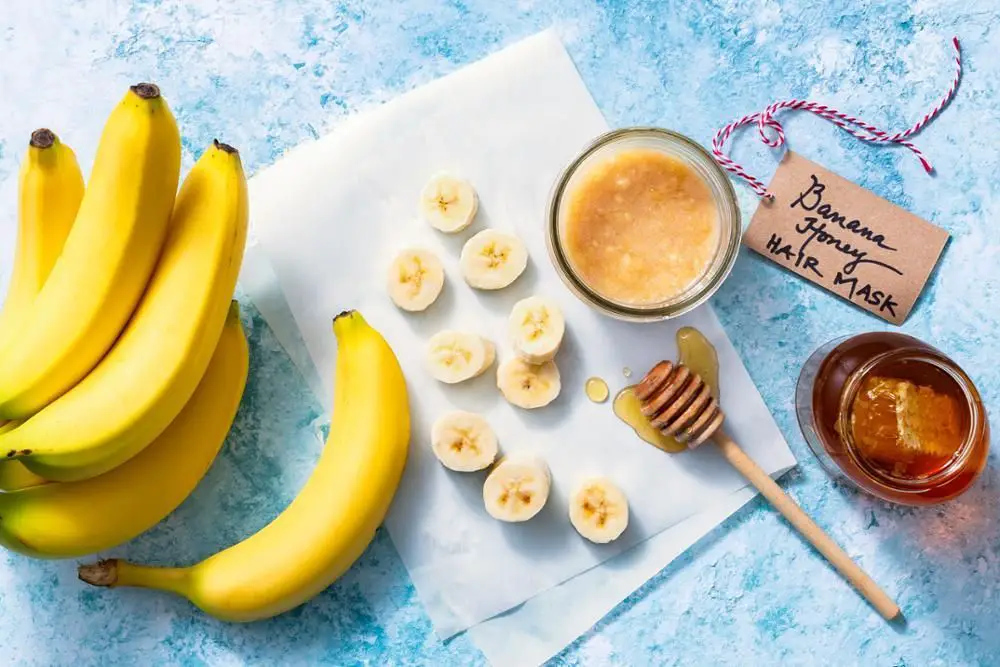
<point x="42" y="138"/>
<point x="114" y="572"/>
<point x="146" y="91"/>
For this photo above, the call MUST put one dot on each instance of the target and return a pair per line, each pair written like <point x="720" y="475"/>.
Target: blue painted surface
<point x="267" y="78"/>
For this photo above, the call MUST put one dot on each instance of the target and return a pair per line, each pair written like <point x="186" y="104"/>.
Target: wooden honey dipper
<point x="679" y="403"/>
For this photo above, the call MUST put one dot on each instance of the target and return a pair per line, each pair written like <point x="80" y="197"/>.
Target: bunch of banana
<point x="122" y="361"/>
<point x="333" y="519"/>
<point x="122" y="220"/>
<point x="66" y="520"/>
<point x="142" y="383"/>
<point x="122" y="366"/>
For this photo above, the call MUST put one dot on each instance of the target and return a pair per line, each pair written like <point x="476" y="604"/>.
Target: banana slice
<point x="456" y="356"/>
<point x="528" y="386"/>
<point x="492" y="260"/>
<point x="536" y="329"/>
<point x="415" y="279"/>
<point x="517" y="488"/>
<point x="463" y="441"/>
<point x="599" y="510"/>
<point x="448" y="203"/>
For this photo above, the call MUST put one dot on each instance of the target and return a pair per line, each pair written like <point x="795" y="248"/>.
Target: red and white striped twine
<point x="855" y="126"/>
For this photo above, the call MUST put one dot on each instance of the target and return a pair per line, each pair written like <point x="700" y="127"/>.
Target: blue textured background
<point x="265" y="79"/>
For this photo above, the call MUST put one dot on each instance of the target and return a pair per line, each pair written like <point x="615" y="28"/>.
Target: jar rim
<point x="962" y="454"/>
<point x="725" y="198"/>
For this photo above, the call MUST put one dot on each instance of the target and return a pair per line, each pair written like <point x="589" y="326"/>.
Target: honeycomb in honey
<point x="896" y="421"/>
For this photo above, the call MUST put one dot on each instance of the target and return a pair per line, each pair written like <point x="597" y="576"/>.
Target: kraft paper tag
<point x="845" y="238"/>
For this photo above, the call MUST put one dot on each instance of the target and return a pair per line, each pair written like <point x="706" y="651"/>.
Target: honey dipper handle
<point x="816" y="536"/>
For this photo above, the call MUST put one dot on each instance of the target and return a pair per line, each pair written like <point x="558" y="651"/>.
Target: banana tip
<point x="345" y="320"/>
<point x="42" y="138"/>
<point x="344" y="313"/>
<point x="225" y="147"/>
<point x="147" y="91"/>
<point x="101" y="573"/>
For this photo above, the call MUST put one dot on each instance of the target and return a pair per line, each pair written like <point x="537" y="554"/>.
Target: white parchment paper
<point x="329" y="217"/>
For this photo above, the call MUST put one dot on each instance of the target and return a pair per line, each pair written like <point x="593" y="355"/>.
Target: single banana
<point x="106" y="261"/>
<point x="415" y="279"/>
<point x="525" y="385"/>
<point x="517" y="488"/>
<point x="49" y="192"/>
<point x="333" y="519"/>
<point x="153" y="369"/>
<point x="492" y="260"/>
<point x="536" y="329"/>
<point x="599" y="510"/>
<point x="457" y="356"/>
<point x="448" y="204"/>
<point x="463" y="441"/>
<point x="65" y="520"/>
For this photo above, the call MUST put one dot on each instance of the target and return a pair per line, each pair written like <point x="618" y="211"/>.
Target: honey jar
<point x="894" y="416"/>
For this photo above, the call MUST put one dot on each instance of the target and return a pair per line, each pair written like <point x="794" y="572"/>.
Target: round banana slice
<point x="528" y="386"/>
<point x="599" y="510"/>
<point x="448" y="203"/>
<point x="415" y="279"/>
<point x="536" y="329"/>
<point x="463" y="441"/>
<point x="456" y="356"/>
<point x="492" y="260"/>
<point x="517" y="488"/>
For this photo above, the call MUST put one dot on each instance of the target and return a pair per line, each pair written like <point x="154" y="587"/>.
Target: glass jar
<point x="893" y="416"/>
<point x="701" y="163"/>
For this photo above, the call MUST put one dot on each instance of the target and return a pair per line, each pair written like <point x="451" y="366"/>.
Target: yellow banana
<point x="50" y="190"/>
<point x="107" y="259"/>
<point x="14" y="476"/>
<point x="150" y="373"/>
<point x="334" y="517"/>
<point x="64" y="520"/>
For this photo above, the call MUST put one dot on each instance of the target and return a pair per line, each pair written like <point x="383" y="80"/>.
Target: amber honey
<point x="895" y="416"/>
<point x="596" y="389"/>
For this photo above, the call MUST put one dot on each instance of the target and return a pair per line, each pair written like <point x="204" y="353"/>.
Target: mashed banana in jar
<point x="641" y="227"/>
